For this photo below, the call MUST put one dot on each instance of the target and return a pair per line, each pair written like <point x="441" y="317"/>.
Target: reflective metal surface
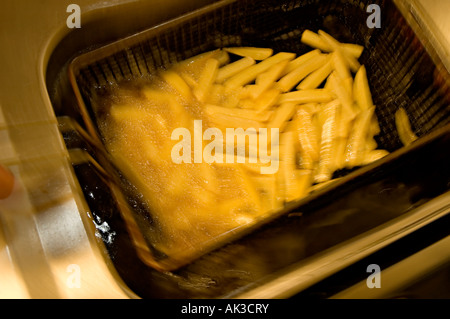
<point x="48" y="243"/>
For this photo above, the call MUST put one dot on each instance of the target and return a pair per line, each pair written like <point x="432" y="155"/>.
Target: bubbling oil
<point x="192" y="204"/>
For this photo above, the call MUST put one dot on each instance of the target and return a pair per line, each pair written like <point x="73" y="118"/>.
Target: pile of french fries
<point x="319" y="101"/>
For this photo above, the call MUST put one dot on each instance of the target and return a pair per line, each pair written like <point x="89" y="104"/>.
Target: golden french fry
<point x="282" y="114"/>
<point x="297" y="62"/>
<point x="287" y="163"/>
<point x="307" y="134"/>
<point x="222" y="58"/>
<point x="252" y="52"/>
<point x="354" y="50"/>
<point x="250" y="73"/>
<point x="356" y="142"/>
<point x="348" y="112"/>
<point x="207" y="78"/>
<point x="311" y="108"/>
<point x="195" y="63"/>
<point x="264" y="102"/>
<point x="236" y="112"/>
<point x="231" y="69"/>
<point x="313" y="80"/>
<point x="326" y="167"/>
<point x="361" y="91"/>
<point x="340" y="65"/>
<point x="307" y="96"/>
<point x="128" y="113"/>
<point x="223" y="121"/>
<point x="339" y="157"/>
<point x="352" y="62"/>
<point x="316" y="41"/>
<point x="290" y="80"/>
<point x="373" y="156"/>
<point x="404" y="129"/>
<point x="216" y="95"/>
<point x="267" y="79"/>
<point x="177" y="82"/>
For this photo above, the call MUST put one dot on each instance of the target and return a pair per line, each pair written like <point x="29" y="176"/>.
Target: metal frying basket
<point x="403" y="70"/>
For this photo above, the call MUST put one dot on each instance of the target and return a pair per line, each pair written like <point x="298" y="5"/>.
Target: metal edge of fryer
<point x="305" y="273"/>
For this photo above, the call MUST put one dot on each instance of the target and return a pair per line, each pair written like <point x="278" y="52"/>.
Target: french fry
<point x="264" y="102"/>
<point x="340" y="65"/>
<point x="306" y="134"/>
<point x="233" y="68"/>
<point x="252" y="52"/>
<point x="231" y="97"/>
<point x="177" y="82"/>
<point x="313" y="80"/>
<point x="223" y="57"/>
<point x="356" y="142"/>
<point x="128" y="113"/>
<point x="352" y="62"/>
<point x="290" y="80"/>
<point x="311" y="108"/>
<point x="326" y="167"/>
<point x="195" y="63"/>
<point x="339" y="157"/>
<point x="287" y="164"/>
<point x="307" y="96"/>
<point x="404" y="129"/>
<point x="250" y="73"/>
<point x="266" y="80"/>
<point x="297" y="62"/>
<point x="305" y="162"/>
<point x="216" y="96"/>
<point x="373" y="156"/>
<point x="343" y="129"/>
<point x="236" y="112"/>
<point x="316" y="41"/>
<point x="361" y="91"/>
<point x="371" y="144"/>
<point x="348" y="112"/>
<point x="207" y="78"/>
<point x="282" y="114"/>
<point x="224" y="121"/>
<point x="354" y="50"/>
